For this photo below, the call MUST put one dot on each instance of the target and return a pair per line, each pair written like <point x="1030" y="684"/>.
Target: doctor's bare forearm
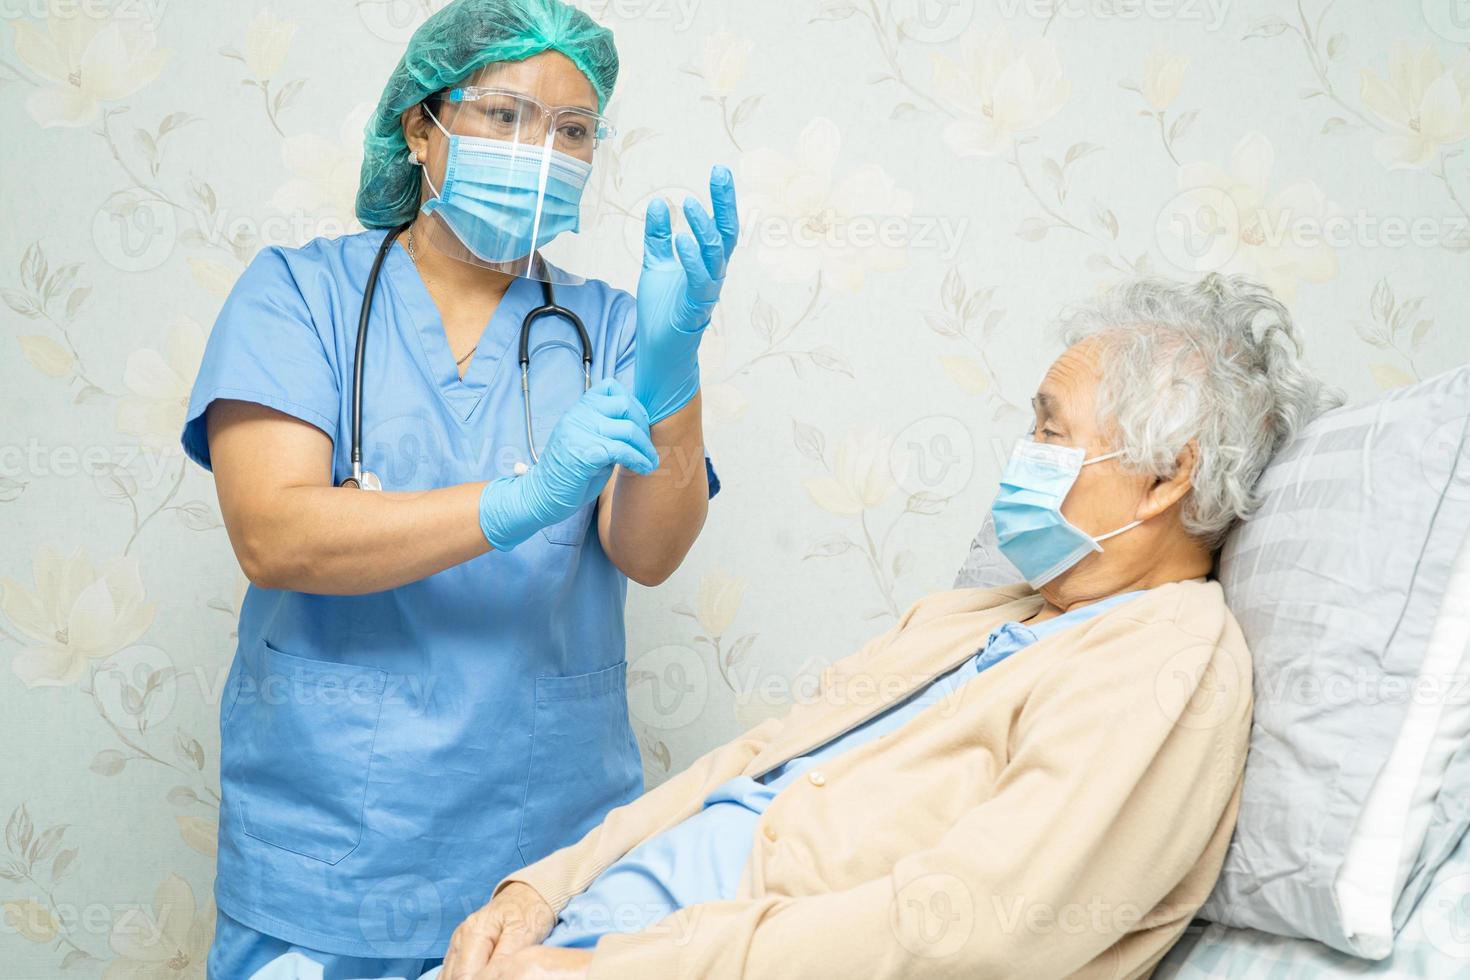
<point x="649" y="523"/>
<point x="292" y="529"/>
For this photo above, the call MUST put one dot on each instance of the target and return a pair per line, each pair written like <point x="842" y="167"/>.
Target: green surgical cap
<point x="451" y="45"/>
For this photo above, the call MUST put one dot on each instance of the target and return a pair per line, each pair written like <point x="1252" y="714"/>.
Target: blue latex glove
<point x="606" y="428"/>
<point x="677" y="294"/>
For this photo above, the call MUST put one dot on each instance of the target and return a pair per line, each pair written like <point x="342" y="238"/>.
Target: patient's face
<point x="1105" y="497"/>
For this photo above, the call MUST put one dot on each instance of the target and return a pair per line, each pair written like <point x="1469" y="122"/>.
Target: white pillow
<point x="1348" y="587"/>
<point x="1396" y="815"/>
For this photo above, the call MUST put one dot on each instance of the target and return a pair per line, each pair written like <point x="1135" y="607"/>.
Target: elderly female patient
<point x="1033" y="781"/>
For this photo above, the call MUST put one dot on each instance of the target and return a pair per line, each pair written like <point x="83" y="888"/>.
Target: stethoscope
<point x="363" y="480"/>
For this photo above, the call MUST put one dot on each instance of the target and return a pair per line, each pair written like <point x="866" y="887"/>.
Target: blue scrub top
<point x="386" y="759"/>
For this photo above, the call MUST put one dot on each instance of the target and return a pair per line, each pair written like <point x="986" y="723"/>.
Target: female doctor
<point x="429" y="688"/>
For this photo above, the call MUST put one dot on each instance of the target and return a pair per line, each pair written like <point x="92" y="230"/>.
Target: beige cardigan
<point x="1063" y="814"/>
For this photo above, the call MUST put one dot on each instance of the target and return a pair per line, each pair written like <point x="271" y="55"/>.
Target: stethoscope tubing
<point x="550" y="308"/>
<point x="360" y="358"/>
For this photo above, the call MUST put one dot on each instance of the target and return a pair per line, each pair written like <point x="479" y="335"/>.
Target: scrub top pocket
<point x="298" y="744"/>
<point x="584" y="759"/>
<point x="572" y="530"/>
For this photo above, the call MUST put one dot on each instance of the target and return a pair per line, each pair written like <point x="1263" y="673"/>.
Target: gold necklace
<point x="413" y="256"/>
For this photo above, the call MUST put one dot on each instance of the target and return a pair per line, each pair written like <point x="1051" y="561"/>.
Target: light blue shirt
<point x="386" y="758"/>
<point x="701" y="859"/>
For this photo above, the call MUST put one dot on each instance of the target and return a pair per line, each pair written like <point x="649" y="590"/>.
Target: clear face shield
<point x="512" y="182"/>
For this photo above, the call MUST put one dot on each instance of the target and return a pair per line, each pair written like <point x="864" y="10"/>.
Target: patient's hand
<point x="515" y="919"/>
<point x="541" y="963"/>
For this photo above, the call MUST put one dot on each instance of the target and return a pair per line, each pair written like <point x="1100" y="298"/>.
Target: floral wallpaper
<point x="924" y="184"/>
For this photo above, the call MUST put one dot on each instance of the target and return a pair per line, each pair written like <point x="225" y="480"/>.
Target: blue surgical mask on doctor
<point x="504" y="200"/>
<point x="1033" y="534"/>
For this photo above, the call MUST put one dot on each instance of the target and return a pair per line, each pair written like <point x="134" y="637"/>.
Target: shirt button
<point x="816" y="778"/>
<point x="770" y="833"/>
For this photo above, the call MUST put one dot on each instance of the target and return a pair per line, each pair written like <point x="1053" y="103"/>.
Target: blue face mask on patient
<point x="492" y="198"/>
<point x="1033" y="534"/>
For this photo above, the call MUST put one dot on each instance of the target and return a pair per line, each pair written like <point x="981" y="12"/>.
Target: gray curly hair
<point x="1218" y="362"/>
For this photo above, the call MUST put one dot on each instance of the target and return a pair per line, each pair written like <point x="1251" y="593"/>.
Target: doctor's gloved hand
<point x="677" y="294"/>
<point x="606" y="428"/>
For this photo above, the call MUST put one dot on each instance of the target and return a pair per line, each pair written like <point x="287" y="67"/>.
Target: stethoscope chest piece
<point x="367" y="481"/>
